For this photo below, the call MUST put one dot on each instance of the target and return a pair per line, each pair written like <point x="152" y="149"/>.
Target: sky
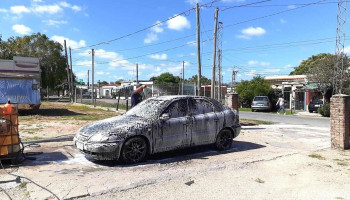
<point x="258" y="37"/>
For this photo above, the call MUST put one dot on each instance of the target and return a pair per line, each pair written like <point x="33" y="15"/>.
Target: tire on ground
<point x="224" y="140"/>
<point x="134" y="150"/>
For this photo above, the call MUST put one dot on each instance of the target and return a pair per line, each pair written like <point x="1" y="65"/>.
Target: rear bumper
<point x="261" y="107"/>
<point x="236" y="129"/>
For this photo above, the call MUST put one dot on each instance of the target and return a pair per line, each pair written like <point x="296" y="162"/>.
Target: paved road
<point x="288" y="119"/>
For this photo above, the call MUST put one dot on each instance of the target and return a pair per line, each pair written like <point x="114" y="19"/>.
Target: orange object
<point x="7" y="109"/>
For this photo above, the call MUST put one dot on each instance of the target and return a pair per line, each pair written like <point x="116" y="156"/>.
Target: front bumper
<point x="99" y="151"/>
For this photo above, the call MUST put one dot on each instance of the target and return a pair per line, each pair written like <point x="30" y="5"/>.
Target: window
<point x="177" y="109"/>
<point x="201" y="106"/>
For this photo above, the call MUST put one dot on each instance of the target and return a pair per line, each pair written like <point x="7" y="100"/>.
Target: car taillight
<point x="268" y="103"/>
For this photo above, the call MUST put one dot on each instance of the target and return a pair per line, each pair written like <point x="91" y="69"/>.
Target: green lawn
<point x="250" y="110"/>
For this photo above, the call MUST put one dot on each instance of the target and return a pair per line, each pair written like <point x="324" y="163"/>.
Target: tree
<point x="104" y="83"/>
<point x="319" y="70"/>
<point x="165" y="78"/>
<point x="204" y="80"/>
<point x="52" y="62"/>
<point x="247" y="90"/>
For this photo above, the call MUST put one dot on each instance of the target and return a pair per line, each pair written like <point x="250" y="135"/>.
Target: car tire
<point x="134" y="150"/>
<point x="224" y="140"/>
<point x="310" y="111"/>
<point x="253" y="110"/>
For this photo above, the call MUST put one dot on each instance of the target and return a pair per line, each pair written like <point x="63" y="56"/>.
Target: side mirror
<point x="164" y="117"/>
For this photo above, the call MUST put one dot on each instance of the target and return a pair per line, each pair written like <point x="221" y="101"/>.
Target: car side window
<point x="201" y="106"/>
<point x="177" y="109"/>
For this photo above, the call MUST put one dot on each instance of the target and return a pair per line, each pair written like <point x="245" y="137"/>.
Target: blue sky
<point x="272" y="44"/>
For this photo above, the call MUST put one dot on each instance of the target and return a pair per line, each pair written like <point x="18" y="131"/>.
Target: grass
<point x="254" y="122"/>
<point x="318" y="156"/>
<point x="88" y="117"/>
<point x="22" y="184"/>
<point x="33" y="138"/>
<point x="250" y="110"/>
<point x="258" y="180"/>
<point x="342" y="163"/>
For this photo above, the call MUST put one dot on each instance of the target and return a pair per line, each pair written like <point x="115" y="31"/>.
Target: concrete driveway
<point x="280" y="161"/>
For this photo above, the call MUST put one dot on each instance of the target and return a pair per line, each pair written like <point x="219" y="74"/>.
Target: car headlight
<point x="98" y="138"/>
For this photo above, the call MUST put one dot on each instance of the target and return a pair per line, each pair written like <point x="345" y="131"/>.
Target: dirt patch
<point x="58" y="119"/>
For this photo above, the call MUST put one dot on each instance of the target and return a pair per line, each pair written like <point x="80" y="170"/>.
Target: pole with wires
<point x="214" y="54"/>
<point x="183" y="77"/>
<point x="199" y="76"/>
<point x="92" y="77"/>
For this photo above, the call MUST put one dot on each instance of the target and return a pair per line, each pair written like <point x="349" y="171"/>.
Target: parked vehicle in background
<point x="315" y="104"/>
<point x="20" y="82"/>
<point x="160" y="124"/>
<point x="261" y="103"/>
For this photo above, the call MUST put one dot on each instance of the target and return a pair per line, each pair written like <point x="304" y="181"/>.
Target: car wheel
<point x="310" y="111"/>
<point x="224" y="140"/>
<point x="134" y="150"/>
<point x="253" y="110"/>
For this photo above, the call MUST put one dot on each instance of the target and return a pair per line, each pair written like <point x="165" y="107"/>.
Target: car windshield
<point x="148" y="108"/>
<point x="318" y="101"/>
<point x="260" y="99"/>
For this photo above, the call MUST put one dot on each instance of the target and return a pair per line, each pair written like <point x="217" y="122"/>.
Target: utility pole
<point x="137" y="73"/>
<point x="233" y="82"/>
<point x="183" y="77"/>
<point x="88" y="83"/>
<point x="71" y="74"/>
<point x="219" y="68"/>
<point x="92" y="77"/>
<point x="199" y="76"/>
<point x="214" y="54"/>
<point x="68" y="73"/>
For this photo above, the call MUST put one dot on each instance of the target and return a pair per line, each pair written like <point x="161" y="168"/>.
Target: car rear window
<point x="261" y="99"/>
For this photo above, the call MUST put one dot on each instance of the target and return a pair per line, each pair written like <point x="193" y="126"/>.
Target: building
<point x="296" y="89"/>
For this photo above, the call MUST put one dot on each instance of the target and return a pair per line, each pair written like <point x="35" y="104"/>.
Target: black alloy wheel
<point x="134" y="150"/>
<point x="224" y="140"/>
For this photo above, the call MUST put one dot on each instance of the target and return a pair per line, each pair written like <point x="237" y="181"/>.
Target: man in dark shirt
<point x="136" y="96"/>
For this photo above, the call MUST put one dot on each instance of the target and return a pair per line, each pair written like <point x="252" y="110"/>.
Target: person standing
<point x="280" y="102"/>
<point x="136" y="96"/>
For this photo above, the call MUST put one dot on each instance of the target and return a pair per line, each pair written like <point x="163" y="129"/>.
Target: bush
<point x="325" y="110"/>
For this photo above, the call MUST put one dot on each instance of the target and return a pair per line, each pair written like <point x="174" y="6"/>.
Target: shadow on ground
<point x="199" y="152"/>
<point x="50" y="112"/>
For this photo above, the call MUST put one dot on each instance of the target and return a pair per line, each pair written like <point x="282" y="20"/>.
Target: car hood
<point x="115" y="128"/>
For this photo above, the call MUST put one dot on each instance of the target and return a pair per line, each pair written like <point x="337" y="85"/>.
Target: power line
<point x="149" y="27"/>
<point x="244" y="5"/>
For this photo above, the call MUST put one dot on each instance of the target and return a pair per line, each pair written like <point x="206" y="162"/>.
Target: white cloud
<point x="192" y="43"/>
<point x="47" y="9"/>
<point x="272" y="70"/>
<point x="67" y="5"/>
<point x="193" y="54"/>
<point x="243" y="37"/>
<point x="151" y="37"/>
<point x="283" y="21"/>
<point x="21" y="29"/>
<point x="3" y="10"/>
<point x="100" y="53"/>
<point x="38" y="1"/>
<point x="158" y="28"/>
<point x="51" y="22"/>
<point x="287" y="66"/>
<point x="264" y="63"/>
<point x="159" y="56"/>
<point x="347" y="49"/>
<point x="84" y="63"/>
<point x="253" y="62"/>
<point x="250" y="73"/>
<point x="19" y="9"/>
<point x="178" y="23"/>
<point x="100" y="73"/>
<point x="291" y="7"/>
<point x="70" y="43"/>
<point x="251" y="31"/>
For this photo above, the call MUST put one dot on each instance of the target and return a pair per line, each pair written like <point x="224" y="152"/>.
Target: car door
<point x="174" y="132"/>
<point x="204" y="122"/>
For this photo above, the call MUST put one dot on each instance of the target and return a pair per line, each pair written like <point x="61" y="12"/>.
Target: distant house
<point x="297" y="88"/>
